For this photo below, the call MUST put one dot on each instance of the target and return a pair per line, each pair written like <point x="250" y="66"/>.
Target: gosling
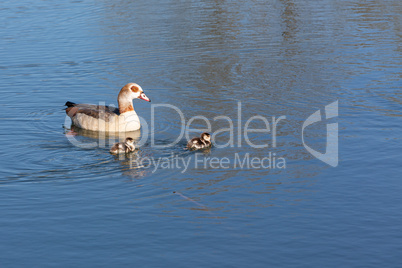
<point x="200" y="143"/>
<point x="123" y="147"/>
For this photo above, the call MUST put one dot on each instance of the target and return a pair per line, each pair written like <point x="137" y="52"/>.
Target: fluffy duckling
<point x="200" y="143"/>
<point x="123" y="147"/>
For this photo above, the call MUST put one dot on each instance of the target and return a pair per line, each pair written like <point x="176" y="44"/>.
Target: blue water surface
<point x="63" y="205"/>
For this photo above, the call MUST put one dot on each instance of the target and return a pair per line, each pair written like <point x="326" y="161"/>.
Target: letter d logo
<point x="331" y="152"/>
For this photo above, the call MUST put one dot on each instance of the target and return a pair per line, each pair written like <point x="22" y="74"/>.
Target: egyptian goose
<point x="107" y="118"/>
<point x="123" y="147"/>
<point x="200" y="143"/>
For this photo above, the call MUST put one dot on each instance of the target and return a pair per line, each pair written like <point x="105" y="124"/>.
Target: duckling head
<point x="206" y="136"/>
<point x="129" y="141"/>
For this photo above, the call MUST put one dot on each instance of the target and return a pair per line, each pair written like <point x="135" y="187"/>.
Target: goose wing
<point x="95" y="111"/>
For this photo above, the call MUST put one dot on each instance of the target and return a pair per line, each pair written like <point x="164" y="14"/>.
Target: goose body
<point x="123" y="147"/>
<point x="200" y="143"/>
<point x="107" y="118"/>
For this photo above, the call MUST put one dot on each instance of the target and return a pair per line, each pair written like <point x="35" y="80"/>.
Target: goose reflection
<point x="105" y="139"/>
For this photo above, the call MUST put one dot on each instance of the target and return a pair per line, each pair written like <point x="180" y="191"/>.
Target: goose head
<point x="127" y="94"/>
<point x="134" y="91"/>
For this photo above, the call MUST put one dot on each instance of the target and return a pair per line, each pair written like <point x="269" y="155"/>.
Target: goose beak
<point x="144" y="97"/>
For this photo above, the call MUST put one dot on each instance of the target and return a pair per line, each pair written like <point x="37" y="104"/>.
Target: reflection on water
<point x="212" y="59"/>
<point x="104" y="139"/>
